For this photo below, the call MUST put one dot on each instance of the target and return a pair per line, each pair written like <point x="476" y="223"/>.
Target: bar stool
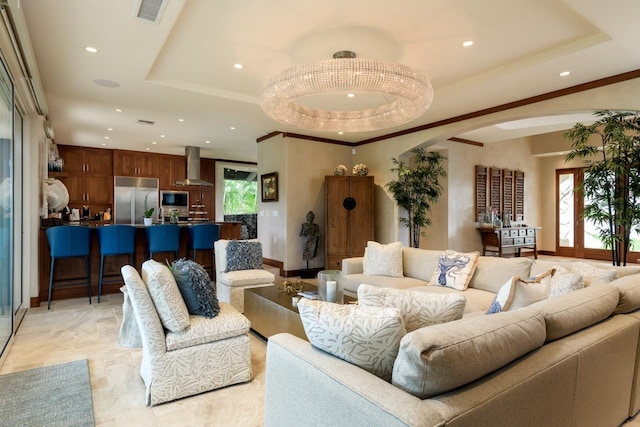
<point x="67" y="241"/>
<point x="163" y="238"/>
<point x="115" y="240"/>
<point x="203" y="236"/>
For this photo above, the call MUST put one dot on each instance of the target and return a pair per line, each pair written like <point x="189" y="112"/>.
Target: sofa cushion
<point x="492" y="272"/>
<point x="442" y="357"/>
<point x="350" y="282"/>
<point x="477" y="300"/>
<point x="418" y="309"/>
<point x="383" y="260"/>
<point x="629" y="287"/>
<point x="229" y="323"/>
<point x="518" y="293"/>
<point x="245" y="278"/>
<point x="572" y="312"/>
<point x="165" y="295"/>
<point x="244" y="255"/>
<point x="364" y="336"/>
<point x="196" y="287"/>
<point x="420" y="263"/>
<point x="455" y="269"/>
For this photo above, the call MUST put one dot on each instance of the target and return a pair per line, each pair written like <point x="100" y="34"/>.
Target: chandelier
<point x="408" y="94"/>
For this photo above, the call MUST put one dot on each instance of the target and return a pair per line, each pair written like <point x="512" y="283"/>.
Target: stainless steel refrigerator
<point x="129" y="194"/>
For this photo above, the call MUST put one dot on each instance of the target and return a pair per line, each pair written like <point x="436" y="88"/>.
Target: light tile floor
<point x="74" y="330"/>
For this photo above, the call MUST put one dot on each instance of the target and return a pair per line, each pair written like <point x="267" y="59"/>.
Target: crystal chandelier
<point x="409" y="94"/>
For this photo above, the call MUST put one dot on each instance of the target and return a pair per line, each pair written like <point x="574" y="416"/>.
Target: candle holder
<point x="330" y="286"/>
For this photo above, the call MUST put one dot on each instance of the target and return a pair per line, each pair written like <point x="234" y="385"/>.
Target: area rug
<point x="58" y="395"/>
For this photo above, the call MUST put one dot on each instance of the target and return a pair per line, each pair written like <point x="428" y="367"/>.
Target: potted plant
<point x="611" y="185"/>
<point x="417" y="188"/>
<point x="148" y="219"/>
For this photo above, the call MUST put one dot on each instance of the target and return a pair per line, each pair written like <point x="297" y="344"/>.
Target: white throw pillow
<point x="368" y="337"/>
<point x="455" y="269"/>
<point x="518" y="293"/>
<point x="165" y="295"/>
<point x="565" y="281"/>
<point x="418" y="309"/>
<point x="592" y="275"/>
<point x="383" y="260"/>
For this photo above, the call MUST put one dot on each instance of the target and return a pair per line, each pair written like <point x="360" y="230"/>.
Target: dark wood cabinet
<point x="171" y="169"/>
<point x="89" y="176"/>
<point x="202" y="203"/>
<point x="348" y="217"/>
<point x="134" y="163"/>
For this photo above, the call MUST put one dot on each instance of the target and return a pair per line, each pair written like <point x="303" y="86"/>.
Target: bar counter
<point x="68" y="268"/>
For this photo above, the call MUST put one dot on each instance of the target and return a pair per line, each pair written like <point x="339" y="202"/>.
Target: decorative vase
<point x="340" y="170"/>
<point x="360" y="170"/>
<point x="330" y="286"/>
<point x="148" y="221"/>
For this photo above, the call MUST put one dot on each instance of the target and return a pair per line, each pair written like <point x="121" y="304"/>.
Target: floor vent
<point x="149" y="9"/>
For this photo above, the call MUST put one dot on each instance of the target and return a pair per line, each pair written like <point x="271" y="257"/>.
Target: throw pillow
<point x="383" y="260"/>
<point x="418" y="309"/>
<point x="517" y="293"/>
<point x="368" y="337"/>
<point x="592" y="275"/>
<point x="165" y="295"/>
<point x="564" y="282"/>
<point x="455" y="269"/>
<point x="244" y="255"/>
<point x="197" y="289"/>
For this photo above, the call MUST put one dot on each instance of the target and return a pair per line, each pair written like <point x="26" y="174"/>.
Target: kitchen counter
<point x="67" y="268"/>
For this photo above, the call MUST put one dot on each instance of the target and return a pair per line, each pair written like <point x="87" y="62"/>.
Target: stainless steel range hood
<point x="193" y="169"/>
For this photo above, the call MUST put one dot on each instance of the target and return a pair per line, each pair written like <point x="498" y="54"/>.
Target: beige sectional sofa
<point x="570" y="360"/>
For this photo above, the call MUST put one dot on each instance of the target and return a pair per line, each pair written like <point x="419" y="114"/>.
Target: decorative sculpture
<point x="310" y="233"/>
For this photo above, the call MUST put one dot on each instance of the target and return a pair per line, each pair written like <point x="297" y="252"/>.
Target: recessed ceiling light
<point x="207" y="142"/>
<point x="564" y="73"/>
<point x="103" y="144"/>
<point x="232" y="128"/>
<point x="351" y="95"/>
<point x="91" y="49"/>
<point x="238" y="66"/>
<point x="161" y="136"/>
<point x="106" y="137"/>
<point x="154" y="142"/>
<point x="148" y="149"/>
<point x="467" y="43"/>
<point x="110" y="129"/>
<point x="118" y="110"/>
<point x="340" y="133"/>
<point x="181" y="120"/>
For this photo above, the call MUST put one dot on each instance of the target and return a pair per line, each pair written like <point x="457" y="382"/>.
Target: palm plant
<point x="611" y="185"/>
<point x="417" y="188"/>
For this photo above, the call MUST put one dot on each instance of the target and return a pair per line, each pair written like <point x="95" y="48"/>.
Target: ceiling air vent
<point x="146" y="122"/>
<point x="149" y="10"/>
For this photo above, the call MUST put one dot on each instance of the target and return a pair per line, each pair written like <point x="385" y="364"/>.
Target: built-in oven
<point x="174" y="201"/>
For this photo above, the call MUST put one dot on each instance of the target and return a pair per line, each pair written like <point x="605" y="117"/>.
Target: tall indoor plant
<point x="417" y="188"/>
<point x="611" y="185"/>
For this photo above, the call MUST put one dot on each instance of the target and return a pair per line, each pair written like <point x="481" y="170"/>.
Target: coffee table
<point x="271" y="311"/>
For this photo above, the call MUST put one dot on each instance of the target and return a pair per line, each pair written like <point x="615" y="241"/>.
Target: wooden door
<point x="361" y="217"/>
<point x="336" y="219"/>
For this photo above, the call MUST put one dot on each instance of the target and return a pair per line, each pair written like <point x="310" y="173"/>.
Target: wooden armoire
<point x="348" y="217"/>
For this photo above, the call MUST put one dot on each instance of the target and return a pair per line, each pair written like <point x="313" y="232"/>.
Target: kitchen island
<point x="68" y="268"/>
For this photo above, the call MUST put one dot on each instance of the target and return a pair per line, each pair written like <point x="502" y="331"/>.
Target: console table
<point x="496" y="240"/>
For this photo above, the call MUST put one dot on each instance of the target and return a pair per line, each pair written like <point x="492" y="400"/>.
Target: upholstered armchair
<point x="184" y="354"/>
<point x="239" y="266"/>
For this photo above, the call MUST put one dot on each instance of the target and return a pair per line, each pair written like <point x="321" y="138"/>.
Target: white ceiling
<point x="182" y="66"/>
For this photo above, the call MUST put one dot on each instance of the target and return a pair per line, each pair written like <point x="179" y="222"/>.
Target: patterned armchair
<point x="204" y="355"/>
<point x="239" y="266"/>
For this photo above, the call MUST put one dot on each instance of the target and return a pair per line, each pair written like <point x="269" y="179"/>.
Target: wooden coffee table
<point x="271" y="312"/>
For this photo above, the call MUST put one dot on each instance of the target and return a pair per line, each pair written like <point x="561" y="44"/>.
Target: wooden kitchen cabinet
<point x="171" y="169"/>
<point x="202" y="201"/>
<point x="89" y="175"/>
<point x="82" y="160"/>
<point x="348" y="217"/>
<point x="134" y="163"/>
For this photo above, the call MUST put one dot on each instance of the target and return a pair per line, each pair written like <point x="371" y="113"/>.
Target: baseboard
<point x="310" y="273"/>
<point x="550" y="253"/>
<point x="34" y="302"/>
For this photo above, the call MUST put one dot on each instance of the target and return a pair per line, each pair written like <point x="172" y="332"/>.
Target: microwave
<point x="178" y="200"/>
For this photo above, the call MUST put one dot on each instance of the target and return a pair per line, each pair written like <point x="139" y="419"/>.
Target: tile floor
<point x="74" y="330"/>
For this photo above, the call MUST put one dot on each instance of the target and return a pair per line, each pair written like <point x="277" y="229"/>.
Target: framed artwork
<point x="269" y="187"/>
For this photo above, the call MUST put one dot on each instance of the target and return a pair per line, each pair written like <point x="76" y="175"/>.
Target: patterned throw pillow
<point x="519" y="293"/>
<point x="455" y="269"/>
<point x="197" y="289"/>
<point x="383" y="260"/>
<point x="244" y="255"/>
<point x="565" y="281"/>
<point x="592" y="275"/>
<point x="418" y="309"/>
<point x="165" y="295"/>
<point x="368" y="337"/>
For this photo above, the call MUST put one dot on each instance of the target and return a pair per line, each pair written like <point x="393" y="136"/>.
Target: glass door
<point x="568" y="222"/>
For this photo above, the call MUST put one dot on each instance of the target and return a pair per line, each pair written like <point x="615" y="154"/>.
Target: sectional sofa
<point x="570" y="360"/>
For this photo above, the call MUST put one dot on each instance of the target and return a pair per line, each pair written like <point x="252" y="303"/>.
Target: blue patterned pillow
<point x="244" y="255"/>
<point x="197" y="289"/>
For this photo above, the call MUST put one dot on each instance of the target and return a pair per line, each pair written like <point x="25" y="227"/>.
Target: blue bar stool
<point x="163" y="238"/>
<point x="68" y="241"/>
<point x="115" y="240"/>
<point x="202" y="237"/>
